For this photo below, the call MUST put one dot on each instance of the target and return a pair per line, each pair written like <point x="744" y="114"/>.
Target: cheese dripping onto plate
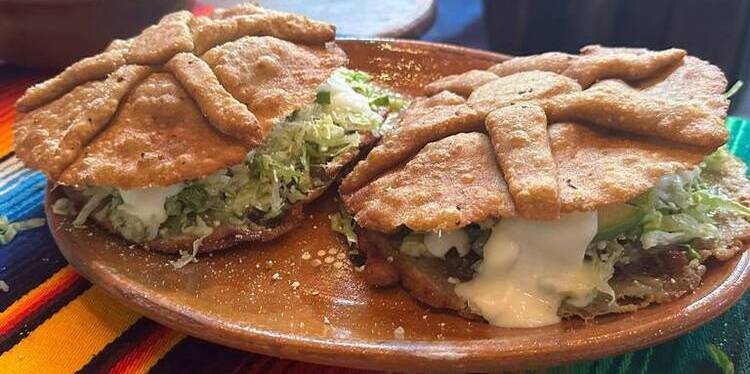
<point x="530" y="267"/>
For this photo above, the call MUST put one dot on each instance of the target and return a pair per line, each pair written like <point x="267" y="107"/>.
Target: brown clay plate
<point x="326" y="314"/>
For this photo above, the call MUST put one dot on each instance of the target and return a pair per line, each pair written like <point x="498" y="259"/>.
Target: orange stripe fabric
<point x="9" y="93"/>
<point x="148" y="353"/>
<point x="69" y="339"/>
<point x="6" y="134"/>
<point x="37" y="298"/>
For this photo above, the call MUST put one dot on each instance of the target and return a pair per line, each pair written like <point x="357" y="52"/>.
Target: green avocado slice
<point x="615" y="219"/>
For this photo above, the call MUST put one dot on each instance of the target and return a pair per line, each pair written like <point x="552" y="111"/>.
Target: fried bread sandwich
<point x="202" y="132"/>
<point x="552" y="186"/>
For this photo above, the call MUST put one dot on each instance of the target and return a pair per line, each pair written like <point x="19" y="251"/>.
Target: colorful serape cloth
<point x="54" y="321"/>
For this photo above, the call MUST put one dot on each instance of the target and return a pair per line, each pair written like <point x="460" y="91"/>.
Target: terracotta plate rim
<point x="474" y="355"/>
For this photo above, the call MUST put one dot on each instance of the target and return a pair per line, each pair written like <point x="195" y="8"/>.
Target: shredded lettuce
<point x="378" y="96"/>
<point x="284" y="170"/>
<point x="9" y="230"/>
<point x="717" y="162"/>
<point x="603" y="256"/>
<point x="413" y="245"/>
<point x="720" y="358"/>
<point x="96" y="196"/>
<point x="323" y="98"/>
<point x="64" y="207"/>
<point x="677" y="211"/>
<point x="193" y="198"/>
<point x="290" y="164"/>
<point x="736" y="87"/>
<point x="343" y="223"/>
<point x="416" y="244"/>
<point x="681" y="208"/>
<point x="202" y="231"/>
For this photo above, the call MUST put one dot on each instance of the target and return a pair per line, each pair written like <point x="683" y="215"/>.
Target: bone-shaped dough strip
<point x="516" y="88"/>
<point x="519" y="137"/>
<point x="424" y="122"/>
<point x="628" y="65"/>
<point x="462" y="84"/>
<point x="158" y="43"/>
<point x="291" y="27"/>
<point x="51" y="137"/>
<point x="555" y="62"/>
<point x="222" y="110"/>
<point x="211" y="33"/>
<point x="88" y="69"/>
<point x="613" y="104"/>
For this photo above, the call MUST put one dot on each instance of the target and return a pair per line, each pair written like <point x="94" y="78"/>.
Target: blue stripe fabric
<point x="21" y="191"/>
<point x="32" y="256"/>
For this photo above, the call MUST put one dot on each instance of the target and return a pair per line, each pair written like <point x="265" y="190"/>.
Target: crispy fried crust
<point x="614" y="104"/>
<point x="516" y="88"/>
<point x="596" y="168"/>
<point x="275" y="77"/>
<point x="86" y="70"/>
<point x="159" y="137"/>
<point x="519" y="137"/>
<point x="694" y="81"/>
<point x="591" y="68"/>
<point x="208" y="33"/>
<point x="158" y="43"/>
<point x="731" y="181"/>
<point x="292" y="27"/>
<point x="424" y="278"/>
<point x="462" y="84"/>
<point x="378" y="271"/>
<point x="555" y="62"/>
<point x="600" y="167"/>
<point x="670" y="274"/>
<point x="222" y="110"/>
<point x="51" y="137"/>
<point x="596" y="63"/>
<point x="244" y="9"/>
<point x="424" y="121"/>
<point x="652" y="118"/>
<point x="449" y="184"/>
<point x="271" y="76"/>
<point x="226" y="235"/>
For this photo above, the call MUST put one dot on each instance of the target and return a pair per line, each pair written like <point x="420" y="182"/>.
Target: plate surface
<point x="326" y="314"/>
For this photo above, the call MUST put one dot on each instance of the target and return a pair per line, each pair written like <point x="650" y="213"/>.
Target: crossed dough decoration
<point x="212" y="85"/>
<point x="664" y="106"/>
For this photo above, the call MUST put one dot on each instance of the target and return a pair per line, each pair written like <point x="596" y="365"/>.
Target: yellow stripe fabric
<point x="69" y="339"/>
<point x="34" y="295"/>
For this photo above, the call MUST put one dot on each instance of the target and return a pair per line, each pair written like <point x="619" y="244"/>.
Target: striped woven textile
<point x="54" y="321"/>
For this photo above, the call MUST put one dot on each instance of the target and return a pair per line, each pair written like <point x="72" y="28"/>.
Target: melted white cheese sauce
<point x="530" y="267"/>
<point x="343" y="97"/>
<point x="147" y="204"/>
